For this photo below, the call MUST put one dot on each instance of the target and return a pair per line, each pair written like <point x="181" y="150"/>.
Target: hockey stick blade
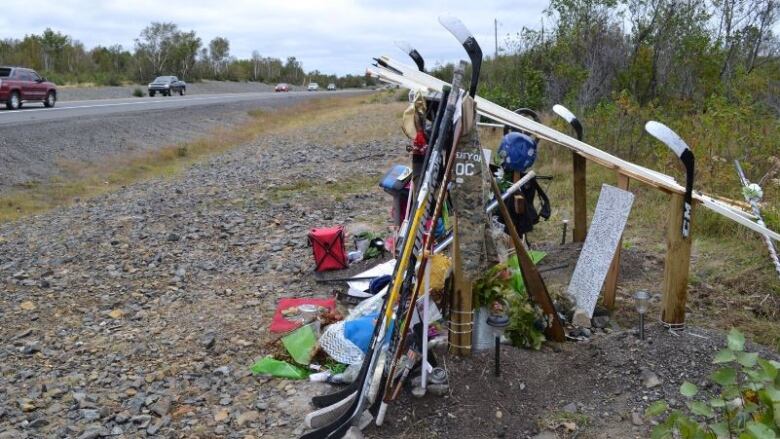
<point x="564" y="112"/>
<point x="466" y="38"/>
<point x="413" y="53"/>
<point x="680" y="148"/>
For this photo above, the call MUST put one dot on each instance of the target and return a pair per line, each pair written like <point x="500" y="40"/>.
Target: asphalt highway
<point x="36" y="112"/>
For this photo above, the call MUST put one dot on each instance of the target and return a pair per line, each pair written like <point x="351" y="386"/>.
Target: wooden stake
<point x="610" y="284"/>
<point x="677" y="265"/>
<point x="461" y="312"/>
<point x="580" y="198"/>
<point x="533" y="281"/>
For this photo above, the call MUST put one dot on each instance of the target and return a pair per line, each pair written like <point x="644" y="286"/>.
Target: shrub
<point x="138" y="93"/>
<point x="747" y="406"/>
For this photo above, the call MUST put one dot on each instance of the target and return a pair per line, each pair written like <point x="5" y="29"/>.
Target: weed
<point x="137" y="92"/>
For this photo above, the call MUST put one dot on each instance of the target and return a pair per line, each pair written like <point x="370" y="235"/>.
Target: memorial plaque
<point x="604" y="234"/>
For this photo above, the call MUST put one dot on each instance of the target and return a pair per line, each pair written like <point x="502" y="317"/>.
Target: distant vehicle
<point x="167" y="85"/>
<point x="282" y="87"/>
<point x="313" y="86"/>
<point x="331" y="87"/>
<point x="19" y="85"/>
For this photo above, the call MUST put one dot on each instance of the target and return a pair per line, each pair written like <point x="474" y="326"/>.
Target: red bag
<point x="328" y="247"/>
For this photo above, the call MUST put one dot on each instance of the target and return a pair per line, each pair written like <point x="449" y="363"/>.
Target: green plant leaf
<point x="760" y="431"/>
<point x="724" y="356"/>
<point x="701" y="409"/>
<point x="725" y="376"/>
<point x="747" y="359"/>
<point x="721" y="430"/>
<point x="656" y="409"/>
<point x="661" y="432"/>
<point x="736" y="340"/>
<point x="717" y="403"/>
<point x="689" y="389"/>
<point x="769" y="369"/>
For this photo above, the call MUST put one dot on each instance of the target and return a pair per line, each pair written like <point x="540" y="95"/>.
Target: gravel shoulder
<point x="139" y="312"/>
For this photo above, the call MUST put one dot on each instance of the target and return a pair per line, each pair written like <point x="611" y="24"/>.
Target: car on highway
<point x="313" y="86"/>
<point x="19" y="85"/>
<point x="282" y="87"/>
<point x="167" y="85"/>
<point x="331" y="87"/>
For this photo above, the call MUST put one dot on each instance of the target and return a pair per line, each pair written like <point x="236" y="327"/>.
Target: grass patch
<point x="336" y="190"/>
<point x="85" y="180"/>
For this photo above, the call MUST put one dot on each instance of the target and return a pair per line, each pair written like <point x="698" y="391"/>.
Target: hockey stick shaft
<point x="757" y="211"/>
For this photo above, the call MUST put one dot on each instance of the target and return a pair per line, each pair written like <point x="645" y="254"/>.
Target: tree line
<point x="160" y="49"/>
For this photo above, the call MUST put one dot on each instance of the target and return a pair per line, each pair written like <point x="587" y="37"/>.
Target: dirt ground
<point x="571" y="390"/>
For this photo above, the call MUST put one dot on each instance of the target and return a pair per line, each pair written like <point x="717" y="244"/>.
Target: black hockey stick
<point x="564" y="112"/>
<point x="465" y="37"/>
<point x="413" y="53"/>
<point x="680" y="148"/>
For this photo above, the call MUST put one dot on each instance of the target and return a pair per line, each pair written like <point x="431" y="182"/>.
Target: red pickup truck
<point x="18" y="85"/>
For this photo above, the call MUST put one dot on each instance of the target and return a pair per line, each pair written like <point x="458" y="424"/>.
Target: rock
<point x="222" y="415"/>
<point x="570" y="408"/>
<point x="569" y="426"/>
<point x="261" y="405"/>
<point x="155" y="428"/>
<point x="89" y="415"/>
<point x="142" y="421"/>
<point x="161" y="407"/>
<point x="31" y="348"/>
<point x="580" y="318"/>
<point x="250" y="416"/>
<point x="27" y="405"/>
<point x="546" y="435"/>
<point x="600" y="322"/>
<point x="116" y="314"/>
<point x="28" y="306"/>
<point x="499" y="415"/>
<point x="172" y="237"/>
<point x="208" y="340"/>
<point x="636" y="419"/>
<point x="650" y="379"/>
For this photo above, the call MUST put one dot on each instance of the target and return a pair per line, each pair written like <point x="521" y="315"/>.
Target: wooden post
<point x="580" y="198"/>
<point x="461" y="311"/>
<point x="610" y="284"/>
<point x="677" y="265"/>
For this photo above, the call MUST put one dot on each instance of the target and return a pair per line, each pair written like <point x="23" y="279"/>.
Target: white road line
<point x="116" y="104"/>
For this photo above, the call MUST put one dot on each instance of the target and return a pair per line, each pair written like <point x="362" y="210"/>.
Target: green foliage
<point x="137" y="92"/>
<point x="495" y="285"/>
<point x="160" y="49"/>
<point x="746" y="407"/>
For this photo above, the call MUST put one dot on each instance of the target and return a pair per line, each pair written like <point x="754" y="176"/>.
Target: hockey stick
<point x="676" y="144"/>
<point x="428" y="246"/>
<point x="400" y="278"/>
<point x="413" y="53"/>
<point x="757" y="211"/>
<point x="332" y="398"/>
<point x="564" y="112"/>
<point x="465" y="37"/>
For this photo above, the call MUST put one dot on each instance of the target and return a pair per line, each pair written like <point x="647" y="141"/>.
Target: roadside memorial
<point x="461" y="274"/>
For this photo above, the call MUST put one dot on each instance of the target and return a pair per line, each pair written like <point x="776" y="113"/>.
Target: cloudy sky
<point x="334" y="36"/>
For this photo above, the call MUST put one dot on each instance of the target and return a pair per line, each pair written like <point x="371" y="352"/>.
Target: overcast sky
<point x="334" y="36"/>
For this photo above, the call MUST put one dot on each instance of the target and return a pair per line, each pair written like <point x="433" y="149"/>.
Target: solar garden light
<point x="498" y="320"/>
<point x="642" y="300"/>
